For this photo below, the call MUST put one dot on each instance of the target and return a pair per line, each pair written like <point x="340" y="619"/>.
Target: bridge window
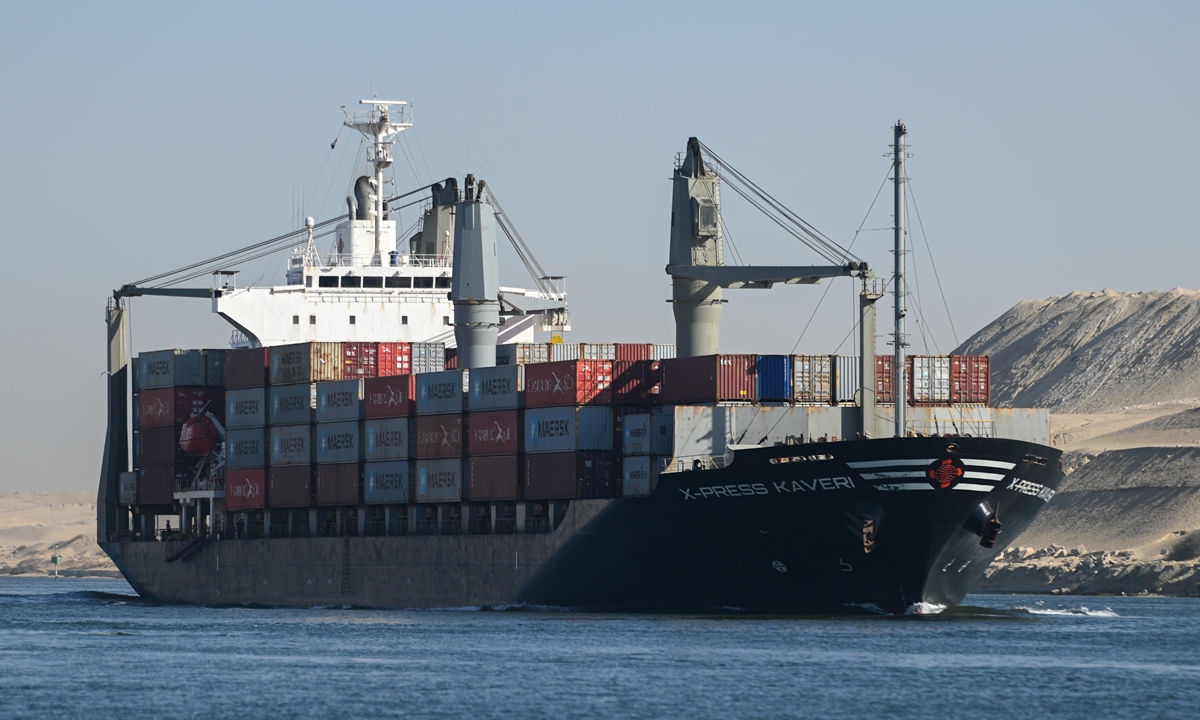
<point x="372" y="282"/>
<point x="403" y="319"/>
<point x="351" y="319"/>
<point x="308" y="281"/>
<point x="327" y="281"/>
<point x="398" y="282"/>
<point x="351" y="281"/>
<point x="312" y="319"/>
<point x="443" y="282"/>
<point x="295" y="319"/>
<point x="422" y="282"/>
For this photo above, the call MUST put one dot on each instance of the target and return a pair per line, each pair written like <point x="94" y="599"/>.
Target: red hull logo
<point x="945" y="474"/>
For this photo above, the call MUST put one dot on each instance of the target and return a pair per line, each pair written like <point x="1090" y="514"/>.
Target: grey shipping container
<point x="167" y="368"/>
<point x="386" y="439"/>
<point x="245" y="408"/>
<point x="428" y="357"/>
<point x="639" y="475"/>
<point x="564" y="351"/>
<point x="662" y="432"/>
<point x="812" y="379"/>
<point x="597" y="351"/>
<point x="127" y="492"/>
<point x="439" y="480"/>
<point x="339" y="400"/>
<point x="338" y="443"/>
<point x="440" y="393"/>
<point x="635" y="434"/>
<point x="214" y="368"/>
<point x="496" y="478"/>
<point x="846" y="372"/>
<point x="306" y="362"/>
<point x="496" y="388"/>
<point x="246" y="448"/>
<point x="568" y="429"/>
<point x="522" y="353"/>
<point x="386" y="482"/>
<point x="929" y="379"/>
<point x="291" y="445"/>
<point x="338" y="484"/>
<point x="292" y="404"/>
<point x="662" y="352"/>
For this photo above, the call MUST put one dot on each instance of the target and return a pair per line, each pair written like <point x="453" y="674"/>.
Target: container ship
<point x="394" y="428"/>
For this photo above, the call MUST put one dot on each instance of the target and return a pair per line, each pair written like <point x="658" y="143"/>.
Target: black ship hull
<point x="891" y="525"/>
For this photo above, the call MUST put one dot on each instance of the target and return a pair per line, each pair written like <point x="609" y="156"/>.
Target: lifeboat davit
<point x="199" y="436"/>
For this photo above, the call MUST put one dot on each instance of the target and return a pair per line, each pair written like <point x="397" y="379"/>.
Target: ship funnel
<point x="696" y="240"/>
<point x="363" y="194"/>
<point x="475" y="286"/>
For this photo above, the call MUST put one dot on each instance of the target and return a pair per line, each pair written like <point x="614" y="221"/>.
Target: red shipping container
<point x="393" y="358"/>
<point x="709" y="378"/>
<point x="885" y="378"/>
<point x="246" y="368"/>
<point x="495" y="478"/>
<point x="494" y="433"/>
<point x="338" y="484"/>
<point x="361" y="360"/>
<point x="439" y="436"/>
<point x="290" y="486"/>
<point x="970" y="379"/>
<point x="570" y="382"/>
<point x="391" y="396"/>
<point x="246" y="489"/>
<point x="637" y="382"/>
<point x="634" y="351"/>
<point x="156" y="485"/>
<point x="173" y="406"/>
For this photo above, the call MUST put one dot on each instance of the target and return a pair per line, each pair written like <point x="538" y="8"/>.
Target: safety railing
<point x="505" y="526"/>
<point x="426" y="528"/>
<point x="450" y="527"/>
<point x="537" y="525"/>
<point x="481" y="526"/>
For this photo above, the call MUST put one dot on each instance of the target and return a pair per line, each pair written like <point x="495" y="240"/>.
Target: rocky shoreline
<point x="1057" y="570"/>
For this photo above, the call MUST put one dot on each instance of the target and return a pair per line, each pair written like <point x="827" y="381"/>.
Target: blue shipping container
<point x="167" y="368"/>
<point x="246" y="448"/>
<point x="774" y="378"/>
<point x="245" y="408"/>
<point x="386" y="482"/>
<point x="338" y="443"/>
<point x="214" y="368"/>
<point x="339" y="400"/>
<point x="292" y="404"/>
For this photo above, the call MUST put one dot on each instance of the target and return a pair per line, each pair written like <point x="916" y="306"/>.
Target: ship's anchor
<point x="863" y="527"/>
<point x="984" y="521"/>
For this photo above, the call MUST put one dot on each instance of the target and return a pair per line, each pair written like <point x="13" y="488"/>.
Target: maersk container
<point x="522" y="353"/>
<point x="970" y="379"/>
<point x="292" y="404"/>
<point x="360" y="360"/>
<point x="127" y="488"/>
<point x="495" y="388"/>
<point x="156" y="486"/>
<point x="929" y="379"/>
<point x="246" y="489"/>
<point x="246" y="448"/>
<point x="494" y="433"/>
<point x="290" y="487"/>
<point x="440" y="392"/>
<point x="709" y="378"/>
<point x="338" y="443"/>
<point x="338" y="484"/>
<point x="386" y="439"/>
<point x="638" y="475"/>
<point x="662" y="351"/>
<point x="439" y="436"/>
<point x="393" y="358"/>
<point x="339" y="400"/>
<point x="306" y="362"/>
<point x="662" y="432"/>
<point x="564" y="476"/>
<point x="214" y="368"/>
<point x="635" y="434"/>
<point x="245" y="408"/>
<point x="774" y="377"/>
<point x="175" y="405"/>
<point x="386" y="482"/>
<point x="561" y="352"/>
<point x="812" y="379"/>
<point x="385" y="397"/>
<point x="568" y="429"/>
<point x="846" y="373"/>
<point x="439" y="480"/>
<point x="167" y="368"/>
<point x="496" y="478"/>
<point x="428" y="357"/>
<point x="291" y="445"/>
<point x="246" y="368"/>
<point x="572" y="382"/>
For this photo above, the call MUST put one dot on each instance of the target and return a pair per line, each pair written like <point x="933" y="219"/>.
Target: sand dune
<point x="31" y="524"/>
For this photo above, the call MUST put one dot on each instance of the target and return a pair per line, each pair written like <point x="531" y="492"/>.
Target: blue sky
<point x="1053" y="151"/>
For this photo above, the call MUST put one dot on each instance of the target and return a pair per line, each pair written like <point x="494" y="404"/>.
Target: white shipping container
<point x="338" y="443"/>
<point x="930" y="379"/>
<point x="568" y="429"/>
<point x="439" y="480"/>
<point x="292" y="404"/>
<point x="597" y="351"/>
<point x="386" y="439"/>
<point x="127" y="489"/>
<point x="662" y="351"/>
<point x="496" y="388"/>
<point x="636" y="434"/>
<point x="847" y="369"/>
<point x="291" y="445"/>
<point x="244" y="408"/>
<point x="662" y="431"/>
<point x="428" y="357"/>
<point x="564" y="351"/>
<point x="522" y="353"/>
<point x="812" y="379"/>
<point x="639" y="475"/>
<point x="385" y="482"/>
<point x="339" y="400"/>
<point x="440" y="393"/>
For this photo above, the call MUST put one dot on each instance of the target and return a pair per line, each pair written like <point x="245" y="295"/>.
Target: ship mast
<point x="898" y="284"/>
<point x="380" y="125"/>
